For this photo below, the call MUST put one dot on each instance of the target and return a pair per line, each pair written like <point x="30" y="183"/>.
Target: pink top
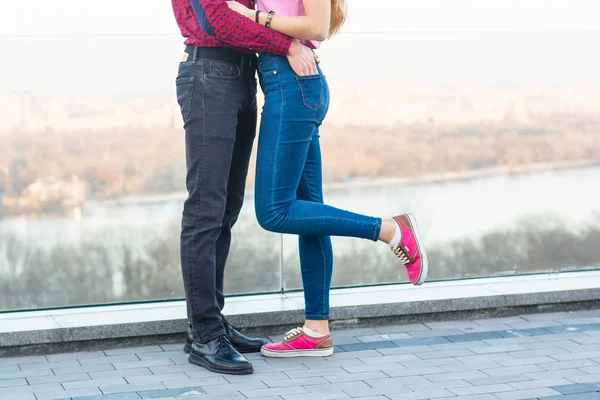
<point x="288" y="8"/>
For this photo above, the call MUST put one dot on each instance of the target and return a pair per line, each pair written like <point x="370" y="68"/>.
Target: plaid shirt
<point x="211" y="23"/>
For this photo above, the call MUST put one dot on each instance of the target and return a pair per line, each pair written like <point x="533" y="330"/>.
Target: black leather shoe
<point x="242" y="343"/>
<point x="219" y="356"/>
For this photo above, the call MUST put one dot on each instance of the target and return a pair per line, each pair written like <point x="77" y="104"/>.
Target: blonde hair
<point x="338" y="16"/>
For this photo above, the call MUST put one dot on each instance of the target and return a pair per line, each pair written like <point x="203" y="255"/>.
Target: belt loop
<point x="195" y="55"/>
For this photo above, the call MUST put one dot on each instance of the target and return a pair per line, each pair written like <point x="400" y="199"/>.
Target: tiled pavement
<point x="541" y="356"/>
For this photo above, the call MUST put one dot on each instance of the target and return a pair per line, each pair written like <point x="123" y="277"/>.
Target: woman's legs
<point x="316" y="254"/>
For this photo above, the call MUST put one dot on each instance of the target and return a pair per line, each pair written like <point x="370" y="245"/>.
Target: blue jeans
<point x="289" y="187"/>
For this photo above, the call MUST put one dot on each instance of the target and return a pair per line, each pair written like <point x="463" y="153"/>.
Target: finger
<point x="317" y="60"/>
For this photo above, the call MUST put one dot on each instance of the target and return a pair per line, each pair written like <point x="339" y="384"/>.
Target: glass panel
<point x="92" y="176"/>
<point x="490" y="139"/>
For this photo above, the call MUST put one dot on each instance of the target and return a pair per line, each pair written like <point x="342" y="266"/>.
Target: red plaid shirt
<point x="211" y="23"/>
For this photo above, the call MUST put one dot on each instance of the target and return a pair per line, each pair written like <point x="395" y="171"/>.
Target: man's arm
<point x="217" y="19"/>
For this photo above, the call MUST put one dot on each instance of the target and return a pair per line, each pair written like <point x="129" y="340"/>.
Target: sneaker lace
<point x="293" y="333"/>
<point x="402" y="254"/>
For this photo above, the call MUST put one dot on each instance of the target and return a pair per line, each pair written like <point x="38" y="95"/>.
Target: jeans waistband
<point x="222" y="54"/>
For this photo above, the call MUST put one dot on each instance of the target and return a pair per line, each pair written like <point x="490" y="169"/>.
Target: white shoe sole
<point x="424" y="263"/>
<point x="297" y="353"/>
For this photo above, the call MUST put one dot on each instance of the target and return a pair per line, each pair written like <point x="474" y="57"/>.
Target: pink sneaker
<point x="410" y="251"/>
<point x="296" y="343"/>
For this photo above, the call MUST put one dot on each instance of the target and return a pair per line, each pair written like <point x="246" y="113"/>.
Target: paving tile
<point x="525" y="361"/>
<point x="133" y="350"/>
<point x="254" y="377"/>
<point x="178" y="376"/>
<point x="450" y="376"/>
<point x="580" y="396"/>
<point x="422" y="394"/>
<point x="94" y="383"/>
<point x="83" y="369"/>
<point x="402" y="328"/>
<point x="124" y="373"/>
<point x="361" y="376"/>
<point x="497" y="349"/>
<point x="316" y="396"/>
<point x="46" y="387"/>
<point x="353" y="332"/>
<point x="25" y="374"/>
<point x="233" y="387"/>
<point x="368" y="346"/>
<point x="119" y="396"/>
<point x="373" y="367"/>
<point x="539" y="383"/>
<point x="527" y="394"/>
<point x="214" y="380"/>
<point x="279" y="391"/>
<point x="459" y="383"/>
<point x="585" y="378"/>
<point x="384" y="337"/>
<point x="22" y="360"/>
<point x="67" y="394"/>
<point x="437" y="333"/>
<point x="181" y="392"/>
<point x="521" y="369"/>
<point x="568" y="364"/>
<point x="109" y="359"/>
<point x="510" y="379"/>
<point x="307" y="373"/>
<point x="38" y="380"/>
<point x="13" y="382"/>
<point x="481" y="389"/>
<point x="476" y="397"/>
<point x="390" y="359"/>
<point x="559" y="373"/>
<point x="475" y="366"/>
<point x="444" y="354"/>
<point x="20" y="396"/>
<point x="423" y="341"/>
<point x="9" y="368"/>
<point x="398" y="372"/>
<point x="75" y="356"/>
<point x="50" y="365"/>
<point x="137" y="387"/>
<point x="473" y="337"/>
<point x="143" y="364"/>
<point x="577" y="388"/>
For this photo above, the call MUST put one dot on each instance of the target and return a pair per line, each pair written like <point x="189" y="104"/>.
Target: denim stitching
<point x="198" y="180"/>
<point x="320" y="245"/>
<point x="316" y="108"/>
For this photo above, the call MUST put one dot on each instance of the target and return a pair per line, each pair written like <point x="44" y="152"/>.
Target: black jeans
<point x="216" y="90"/>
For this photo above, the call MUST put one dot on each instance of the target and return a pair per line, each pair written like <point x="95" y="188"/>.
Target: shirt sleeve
<point x="218" y="20"/>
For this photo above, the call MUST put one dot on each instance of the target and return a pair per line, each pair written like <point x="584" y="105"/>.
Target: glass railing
<point x="490" y="139"/>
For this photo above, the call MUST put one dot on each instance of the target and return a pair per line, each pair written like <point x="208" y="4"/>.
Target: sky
<point x="118" y="47"/>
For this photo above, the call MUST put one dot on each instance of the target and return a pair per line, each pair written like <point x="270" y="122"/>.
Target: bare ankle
<point x="318" y="326"/>
<point x="388" y="229"/>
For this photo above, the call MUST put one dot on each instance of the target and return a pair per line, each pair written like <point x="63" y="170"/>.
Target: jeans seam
<point x="320" y="244"/>
<point x="278" y="133"/>
<point x="377" y="230"/>
<point x="196" y="221"/>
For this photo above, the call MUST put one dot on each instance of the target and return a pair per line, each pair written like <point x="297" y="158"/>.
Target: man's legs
<point x="246" y="131"/>
<point x="210" y="107"/>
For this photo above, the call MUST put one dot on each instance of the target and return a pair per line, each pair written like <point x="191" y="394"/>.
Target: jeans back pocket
<point x="312" y="89"/>
<point x="185" y="93"/>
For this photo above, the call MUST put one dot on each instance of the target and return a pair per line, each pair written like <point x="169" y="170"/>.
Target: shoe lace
<point x="293" y="333"/>
<point x="402" y="254"/>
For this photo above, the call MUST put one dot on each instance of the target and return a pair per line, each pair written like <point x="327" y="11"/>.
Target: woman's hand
<point x="235" y="6"/>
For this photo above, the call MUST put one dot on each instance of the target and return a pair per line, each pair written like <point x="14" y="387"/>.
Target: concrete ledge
<point x="20" y="330"/>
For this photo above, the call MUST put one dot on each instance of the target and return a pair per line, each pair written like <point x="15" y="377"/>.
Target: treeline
<point x="146" y="161"/>
<point x="33" y="275"/>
